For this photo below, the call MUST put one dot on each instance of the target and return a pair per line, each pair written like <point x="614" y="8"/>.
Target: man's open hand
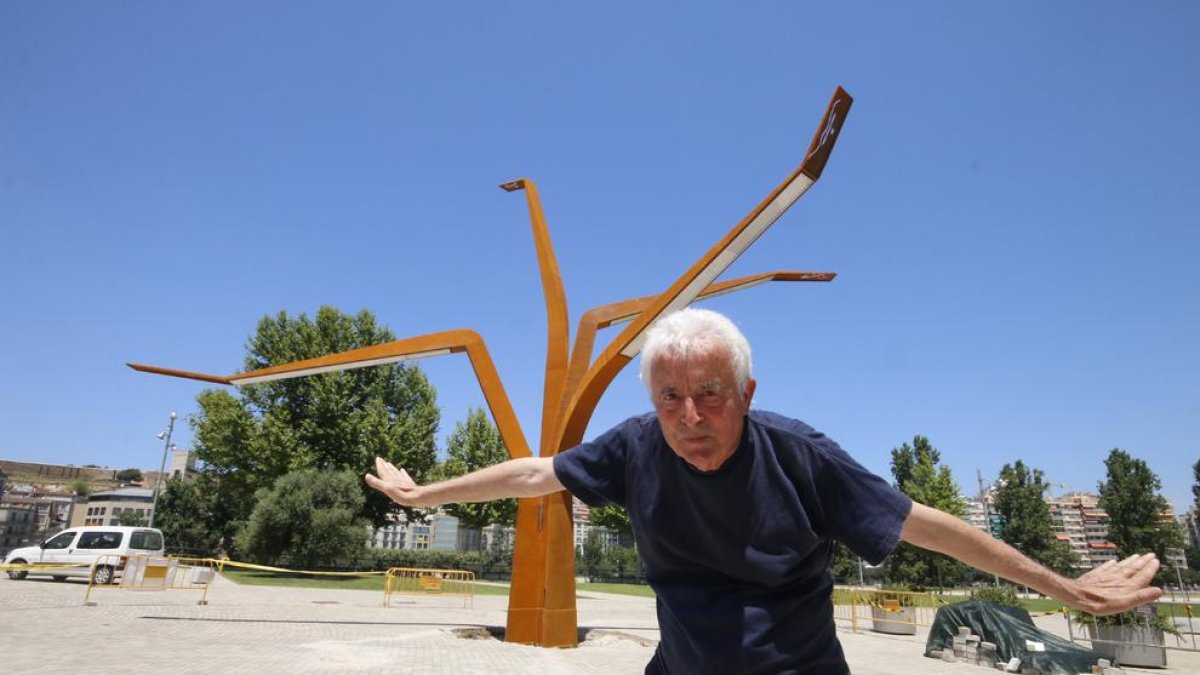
<point x="1117" y="586"/>
<point x="395" y="483"/>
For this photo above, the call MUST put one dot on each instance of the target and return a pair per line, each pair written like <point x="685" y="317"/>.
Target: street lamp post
<point x="166" y="439"/>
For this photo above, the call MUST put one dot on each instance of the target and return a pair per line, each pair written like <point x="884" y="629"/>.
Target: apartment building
<point x="1083" y="525"/>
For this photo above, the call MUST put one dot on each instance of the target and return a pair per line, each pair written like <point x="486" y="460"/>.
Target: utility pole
<point x="166" y="436"/>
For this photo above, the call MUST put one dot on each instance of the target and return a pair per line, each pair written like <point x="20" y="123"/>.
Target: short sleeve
<point x="595" y="471"/>
<point x="861" y="510"/>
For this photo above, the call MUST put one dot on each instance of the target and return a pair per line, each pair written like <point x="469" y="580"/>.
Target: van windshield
<point x="146" y="541"/>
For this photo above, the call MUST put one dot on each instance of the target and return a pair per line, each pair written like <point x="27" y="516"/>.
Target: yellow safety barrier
<point x="893" y="612"/>
<point x="420" y="581"/>
<point x="151" y="573"/>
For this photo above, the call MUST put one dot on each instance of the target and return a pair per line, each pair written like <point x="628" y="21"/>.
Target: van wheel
<point x="59" y="578"/>
<point x="102" y="576"/>
<point x="17" y="576"/>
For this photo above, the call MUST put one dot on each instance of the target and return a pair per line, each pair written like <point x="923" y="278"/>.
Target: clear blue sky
<point x="1012" y="208"/>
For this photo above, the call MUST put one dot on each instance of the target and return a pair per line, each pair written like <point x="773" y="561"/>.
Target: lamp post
<point x="165" y="436"/>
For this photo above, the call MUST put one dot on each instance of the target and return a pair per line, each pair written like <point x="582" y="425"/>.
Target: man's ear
<point x="748" y="395"/>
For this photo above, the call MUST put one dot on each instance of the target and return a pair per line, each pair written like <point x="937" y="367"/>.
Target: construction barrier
<point x="151" y="573"/>
<point x="893" y="612"/>
<point x="418" y="581"/>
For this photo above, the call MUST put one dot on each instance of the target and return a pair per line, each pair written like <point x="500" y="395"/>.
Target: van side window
<point x="146" y="541"/>
<point x="61" y="541"/>
<point x="100" y="539"/>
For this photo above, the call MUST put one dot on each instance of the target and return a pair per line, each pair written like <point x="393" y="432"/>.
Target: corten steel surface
<point x="542" y="598"/>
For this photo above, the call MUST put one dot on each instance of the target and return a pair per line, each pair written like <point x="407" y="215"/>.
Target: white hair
<point x="673" y="335"/>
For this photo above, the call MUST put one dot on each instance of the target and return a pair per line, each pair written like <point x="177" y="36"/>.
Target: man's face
<point x="699" y="406"/>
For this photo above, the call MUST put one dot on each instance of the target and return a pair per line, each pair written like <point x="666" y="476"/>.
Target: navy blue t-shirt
<point x="738" y="556"/>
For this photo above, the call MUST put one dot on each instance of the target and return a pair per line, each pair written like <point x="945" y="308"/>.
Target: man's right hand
<point x="395" y="483"/>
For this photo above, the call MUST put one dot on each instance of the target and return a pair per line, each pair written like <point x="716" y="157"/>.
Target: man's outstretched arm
<point x="524" y="477"/>
<point x="1113" y="587"/>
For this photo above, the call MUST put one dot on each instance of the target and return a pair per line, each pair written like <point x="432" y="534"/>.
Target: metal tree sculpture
<point x="541" y="607"/>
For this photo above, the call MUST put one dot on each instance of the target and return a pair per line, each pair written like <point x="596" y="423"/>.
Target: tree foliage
<point x="918" y="473"/>
<point x="592" y="553"/>
<point x="308" y="518"/>
<point x="473" y="445"/>
<point x="1196" y="484"/>
<point x="130" y="518"/>
<point x="1027" y="523"/>
<point x="129" y="475"/>
<point x="186" y="515"/>
<point x="1130" y="497"/>
<point x="613" y="517"/>
<point x="844" y="566"/>
<point x="332" y="421"/>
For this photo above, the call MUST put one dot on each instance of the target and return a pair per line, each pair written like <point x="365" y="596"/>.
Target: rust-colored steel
<point x="203" y="377"/>
<point x="719" y="257"/>
<point x="451" y="341"/>
<point x="543" y="580"/>
<point x="606" y="315"/>
<point x="542" y="608"/>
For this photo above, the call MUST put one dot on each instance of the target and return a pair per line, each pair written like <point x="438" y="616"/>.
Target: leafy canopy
<point x="1130" y="497"/>
<point x="473" y="445"/>
<point x="918" y="473"/>
<point x="1028" y="526"/>
<point x="333" y="421"/>
<point x="308" y="518"/>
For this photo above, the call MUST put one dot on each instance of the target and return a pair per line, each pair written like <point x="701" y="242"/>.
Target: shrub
<point x="1001" y="595"/>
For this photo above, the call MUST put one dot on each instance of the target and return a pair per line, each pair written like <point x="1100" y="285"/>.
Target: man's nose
<point x="691" y="416"/>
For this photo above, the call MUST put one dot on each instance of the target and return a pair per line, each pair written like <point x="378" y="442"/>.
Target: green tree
<point x="186" y="514"/>
<point x="592" y="553"/>
<point x="308" y="518"/>
<point x="612" y="517"/>
<point x="844" y="566"/>
<point x="130" y="475"/>
<point x="1130" y="497"/>
<point x="332" y="421"/>
<point x="131" y="518"/>
<point x="1027" y="523"/>
<point x="624" y="560"/>
<point x="475" y="444"/>
<point x="918" y="474"/>
<point x="1196" y="483"/>
<point x="80" y="488"/>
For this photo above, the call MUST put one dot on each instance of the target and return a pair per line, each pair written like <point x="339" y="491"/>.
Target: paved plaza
<point x="47" y="629"/>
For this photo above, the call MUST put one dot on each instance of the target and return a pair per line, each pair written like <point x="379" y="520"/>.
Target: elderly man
<point x="735" y="512"/>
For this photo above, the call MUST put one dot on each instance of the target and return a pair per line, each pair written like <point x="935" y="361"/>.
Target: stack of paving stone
<point x="1105" y="667"/>
<point x="970" y="648"/>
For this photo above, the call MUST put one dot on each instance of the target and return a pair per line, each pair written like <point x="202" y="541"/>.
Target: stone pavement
<point x="44" y="628"/>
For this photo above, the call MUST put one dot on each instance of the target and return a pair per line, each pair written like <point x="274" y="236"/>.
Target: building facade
<point x="106" y="508"/>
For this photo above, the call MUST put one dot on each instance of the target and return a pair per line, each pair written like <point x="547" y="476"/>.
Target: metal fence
<point x="419" y="581"/>
<point x="893" y="612"/>
<point x="150" y="573"/>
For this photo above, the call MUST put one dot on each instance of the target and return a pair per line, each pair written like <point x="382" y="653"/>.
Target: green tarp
<point x="1009" y="628"/>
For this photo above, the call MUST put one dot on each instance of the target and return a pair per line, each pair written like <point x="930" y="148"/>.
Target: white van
<point x="81" y="546"/>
